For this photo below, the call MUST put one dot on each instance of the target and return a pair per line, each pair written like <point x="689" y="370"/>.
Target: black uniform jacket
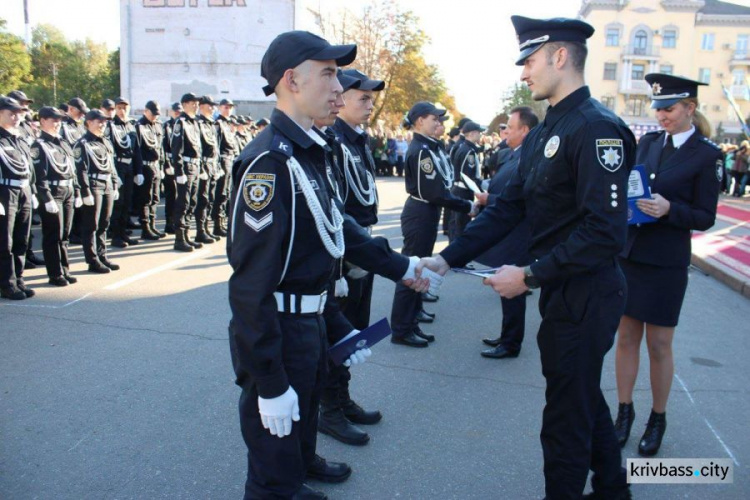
<point x="363" y="164"/>
<point x="273" y="245"/>
<point x="570" y="185"/>
<point x="185" y="142"/>
<point x="689" y="180"/>
<point x="58" y="168"/>
<point x="19" y="166"/>
<point x="466" y="161"/>
<point x="149" y="144"/>
<point x="94" y="156"/>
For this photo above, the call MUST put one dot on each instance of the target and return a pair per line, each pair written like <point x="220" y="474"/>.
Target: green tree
<point x="15" y="62"/>
<point x="520" y="95"/>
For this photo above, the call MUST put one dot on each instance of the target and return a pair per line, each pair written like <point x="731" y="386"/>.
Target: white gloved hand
<point x="89" y="200"/>
<point x="169" y="171"/>
<point x="77" y="202"/>
<point x="341" y="289"/>
<point x="34" y="202"/>
<point x="203" y="176"/>
<point x="435" y="280"/>
<point x="278" y="413"/>
<point x="355" y="272"/>
<point x="139" y="179"/>
<point x="359" y="356"/>
<point x="2" y="209"/>
<point x="181" y="179"/>
<point x="116" y="194"/>
<point x="221" y="173"/>
<point x="51" y="207"/>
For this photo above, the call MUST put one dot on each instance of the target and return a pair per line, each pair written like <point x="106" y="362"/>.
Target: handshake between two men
<point x="508" y="281"/>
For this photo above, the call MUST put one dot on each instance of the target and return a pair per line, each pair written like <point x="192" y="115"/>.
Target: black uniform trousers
<point x="277" y="466"/>
<point x="419" y="223"/>
<point x="580" y="316"/>
<point x="15" y="227"/>
<point x="122" y="206"/>
<point x="459" y="220"/>
<point x="170" y="194"/>
<point x="56" y="231"/>
<point x="148" y="193"/>
<point x="514" y="322"/>
<point x="205" y="197"/>
<point x="221" y="191"/>
<point x="95" y="221"/>
<point x="187" y="197"/>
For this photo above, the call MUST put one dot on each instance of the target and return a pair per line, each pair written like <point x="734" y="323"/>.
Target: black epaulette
<point x="282" y="145"/>
<point x="711" y="143"/>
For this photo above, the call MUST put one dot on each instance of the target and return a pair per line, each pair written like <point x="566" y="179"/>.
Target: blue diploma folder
<point x="638" y="188"/>
<point x="366" y="338"/>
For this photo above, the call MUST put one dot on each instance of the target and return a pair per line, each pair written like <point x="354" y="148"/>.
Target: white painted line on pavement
<point x="158" y="269"/>
<point x="711" y="427"/>
<point x="43" y="306"/>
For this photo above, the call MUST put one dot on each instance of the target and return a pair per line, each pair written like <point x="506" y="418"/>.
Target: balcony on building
<point x="634" y="87"/>
<point x="740" y="92"/>
<point x="640" y="51"/>
<point x="740" y="59"/>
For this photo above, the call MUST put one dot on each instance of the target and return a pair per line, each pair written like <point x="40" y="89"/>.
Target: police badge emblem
<point x="719" y="169"/>
<point x="426" y="165"/>
<point x="77" y="153"/>
<point x="610" y="154"/>
<point x="552" y="146"/>
<point x="34" y="153"/>
<point x="258" y="190"/>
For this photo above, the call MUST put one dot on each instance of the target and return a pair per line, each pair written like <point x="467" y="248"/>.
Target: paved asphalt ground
<point x="121" y="387"/>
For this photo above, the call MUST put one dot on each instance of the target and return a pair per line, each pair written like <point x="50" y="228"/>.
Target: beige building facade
<point x="705" y="40"/>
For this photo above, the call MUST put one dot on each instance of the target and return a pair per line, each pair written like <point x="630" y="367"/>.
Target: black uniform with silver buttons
<point x="210" y="172"/>
<point x="170" y="187"/>
<point x="466" y="162"/>
<point x="186" y="155"/>
<point x="122" y="137"/>
<point x="147" y="161"/>
<point x="228" y="151"/>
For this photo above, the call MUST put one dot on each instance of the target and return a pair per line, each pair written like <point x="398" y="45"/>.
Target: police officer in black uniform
<point x="186" y="160"/>
<point x="571" y="185"/>
<point x="147" y="165"/>
<point x="59" y="193"/>
<point x="228" y="151"/>
<point x="95" y="164"/>
<point x="466" y="163"/>
<point x="170" y="186"/>
<point x="210" y="170"/>
<point x="427" y="180"/>
<point x="16" y="201"/>
<point x="122" y="137"/>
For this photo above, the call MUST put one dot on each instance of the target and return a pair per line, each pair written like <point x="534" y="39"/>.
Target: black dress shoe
<point x="70" y="279"/>
<point x="410" y="339"/>
<point x="31" y="257"/>
<point x="428" y="297"/>
<point x="423" y="317"/>
<point x="492" y="342"/>
<point x="307" y="493"/>
<point x="12" y="293"/>
<point x="332" y="422"/>
<point x="655" y="429"/>
<point x="358" y="415"/>
<point x="111" y="265"/>
<point x="328" y="472"/>
<point x="431" y="315"/>
<point x="58" y="281"/>
<point x="26" y="290"/>
<point x="130" y="241"/>
<point x="203" y="237"/>
<point x="625" y="417"/>
<point x="499" y="352"/>
<point x="99" y="268"/>
<point x="119" y="243"/>
<point x="422" y="335"/>
<point x="29" y="265"/>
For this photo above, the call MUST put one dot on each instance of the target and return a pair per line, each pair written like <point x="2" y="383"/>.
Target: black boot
<point x="356" y="414"/>
<point x="625" y="417"/>
<point x="127" y="239"/>
<point x="333" y="423"/>
<point x="146" y="233"/>
<point x="328" y="472"/>
<point x="208" y="231"/>
<point x="179" y="241"/>
<point x="655" y="429"/>
<point x="169" y="228"/>
<point x="31" y="258"/>
<point x="152" y="226"/>
<point x="218" y="229"/>
<point x="202" y="235"/>
<point x="186" y="236"/>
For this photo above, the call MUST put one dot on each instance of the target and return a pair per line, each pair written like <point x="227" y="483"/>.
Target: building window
<point x="609" y="102"/>
<point x="639" y="71"/>
<point x="669" y="40"/>
<point x="740" y="50"/>
<point x="610" y="71"/>
<point x="636" y="106"/>
<point x="704" y="75"/>
<point x="738" y="77"/>
<point x="707" y="42"/>
<point x="666" y="69"/>
<point x="613" y="37"/>
<point x="640" y="44"/>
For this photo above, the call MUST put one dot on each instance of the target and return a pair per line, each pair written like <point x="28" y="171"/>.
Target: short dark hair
<point x="526" y="116"/>
<point x="576" y="51"/>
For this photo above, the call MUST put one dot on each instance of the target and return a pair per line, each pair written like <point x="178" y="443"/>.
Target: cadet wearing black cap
<point x="261" y="124"/>
<point x="73" y="127"/>
<point x="571" y="186"/>
<point x="147" y="163"/>
<point x="463" y="121"/>
<point x="466" y="163"/>
<point x="684" y="170"/>
<point x="122" y="136"/>
<point x="285" y="244"/>
<point x="228" y="151"/>
<point x="210" y="170"/>
<point x="186" y="161"/>
<point x="59" y="193"/>
<point x="95" y="164"/>
<point x="170" y="186"/>
<point x="16" y="201"/>
<point x="26" y="129"/>
<point x="427" y="182"/>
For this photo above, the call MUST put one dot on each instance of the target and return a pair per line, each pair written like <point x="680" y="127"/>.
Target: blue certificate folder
<point x="366" y="338"/>
<point x="638" y="188"/>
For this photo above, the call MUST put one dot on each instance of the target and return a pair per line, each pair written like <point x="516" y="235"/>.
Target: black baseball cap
<point x="262" y="121"/>
<point x="189" y="97"/>
<point x="226" y="102"/>
<point x="463" y="121"/>
<point x="63" y="107"/>
<point x="533" y="33"/>
<point x="96" y="114"/>
<point x="290" y="49"/>
<point x="121" y="100"/>
<point x="423" y="108"/>
<point x="668" y="90"/>
<point x="176" y="106"/>
<point x="19" y="96"/>
<point x="454" y="132"/>
<point x="108" y="104"/>
<point x="365" y="83"/>
<point x="11" y="104"/>
<point x="471" y="126"/>
<point x="51" y="112"/>
<point x="79" y="104"/>
<point x="347" y="82"/>
<point x="153" y="106"/>
<point x="207" y="99"/>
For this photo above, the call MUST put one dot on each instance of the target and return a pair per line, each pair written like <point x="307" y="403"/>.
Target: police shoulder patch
<point x="258" y="190"/>
<point x="177" y="130"/>
<point x="719" y="169"/>
<point x="34" y="152"/>
<point x="610" y="153"/>
<point x="426" y="165"/>
<point x="470" y="159"/>
<point x="77" y="152"/>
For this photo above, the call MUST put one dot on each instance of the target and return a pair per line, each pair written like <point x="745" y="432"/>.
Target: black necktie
<point x="668" y="151"/>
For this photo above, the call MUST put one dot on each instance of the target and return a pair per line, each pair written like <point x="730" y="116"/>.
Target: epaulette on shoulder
<point x="282" y="145"/>
<point x="710" y="143"/>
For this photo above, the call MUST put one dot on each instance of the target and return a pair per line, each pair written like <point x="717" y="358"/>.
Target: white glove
<point x="341" y="289"/>
<point x="360" y="355"/>
<point x="435" y="280"/>
<point x="355" y="272"/>
<point x="169" y="171"/>
<point x="475" y="206"/>
<point x="161" y="174"/>
<point x="115" y="194"/>
<point x="181" y="179"/>
<point x="34" y="202"/>
<point x="89" y="200"/>
<point x="77" y="202"/>
<point x="139" y="180"/>
<point x="277" y="413"/>
<point x="51" y="207"/>
<point x="2" y="209"/>
<point x="221" y="173"/>
<point x="203" y="176"/>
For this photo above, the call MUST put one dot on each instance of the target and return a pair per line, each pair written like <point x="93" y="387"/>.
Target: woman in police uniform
<point x="684" y="170"/>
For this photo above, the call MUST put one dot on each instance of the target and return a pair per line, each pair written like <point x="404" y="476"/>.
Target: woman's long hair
<point x="699" y="119"/>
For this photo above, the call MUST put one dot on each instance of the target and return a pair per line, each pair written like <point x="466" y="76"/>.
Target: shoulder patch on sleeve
<point x="719" y="169"/>
<point x="610" y="153"/>
<point x="282" y="145"/>
<point x="258" y="190"/>
<point x="34" y="152"/>
<point x="177" y="130"/>
<point x="258" y="225"/>
<point x="426" y="165"/>
<point x="77" y="152"/>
